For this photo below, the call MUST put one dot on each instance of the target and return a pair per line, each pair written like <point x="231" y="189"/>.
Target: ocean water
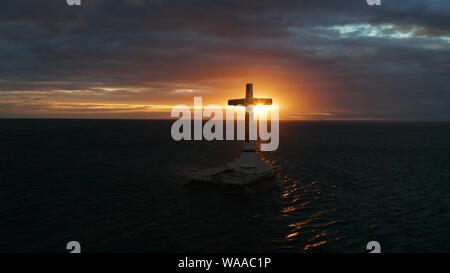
<point x="118" y="186"/>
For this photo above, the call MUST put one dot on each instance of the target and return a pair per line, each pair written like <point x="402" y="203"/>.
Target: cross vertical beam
<point x="249" y="101"/>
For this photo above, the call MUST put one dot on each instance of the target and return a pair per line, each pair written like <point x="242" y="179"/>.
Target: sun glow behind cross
<point x="261" y="109"/>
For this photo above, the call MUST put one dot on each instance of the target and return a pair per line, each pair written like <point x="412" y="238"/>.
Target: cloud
<point x="343" y="56"/>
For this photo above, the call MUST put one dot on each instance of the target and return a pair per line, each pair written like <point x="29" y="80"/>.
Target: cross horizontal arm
<point x="236" y="102"/>
<point x="261" y="101"/>
<point x="254" y="101"/>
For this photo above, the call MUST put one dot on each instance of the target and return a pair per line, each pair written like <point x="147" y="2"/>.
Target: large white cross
<point x="248" y="162"/>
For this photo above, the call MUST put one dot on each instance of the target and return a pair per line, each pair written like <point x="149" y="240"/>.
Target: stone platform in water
<point x="228" y="176"/>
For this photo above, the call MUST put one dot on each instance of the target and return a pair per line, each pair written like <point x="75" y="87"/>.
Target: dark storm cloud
<point x="390" y="61"/>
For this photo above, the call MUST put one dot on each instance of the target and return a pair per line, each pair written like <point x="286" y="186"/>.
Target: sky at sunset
<point x="138" y="58"/>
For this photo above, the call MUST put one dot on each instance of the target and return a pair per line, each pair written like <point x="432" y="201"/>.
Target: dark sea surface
<point x="118" y="186"/>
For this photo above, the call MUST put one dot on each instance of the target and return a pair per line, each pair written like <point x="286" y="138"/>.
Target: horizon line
<point x="173" y="119"/>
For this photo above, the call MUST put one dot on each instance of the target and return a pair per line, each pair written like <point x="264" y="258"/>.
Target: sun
<point x="261" y="110"/>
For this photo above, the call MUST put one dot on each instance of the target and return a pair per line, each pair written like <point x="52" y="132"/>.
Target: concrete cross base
<point x="244" y="170"/>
